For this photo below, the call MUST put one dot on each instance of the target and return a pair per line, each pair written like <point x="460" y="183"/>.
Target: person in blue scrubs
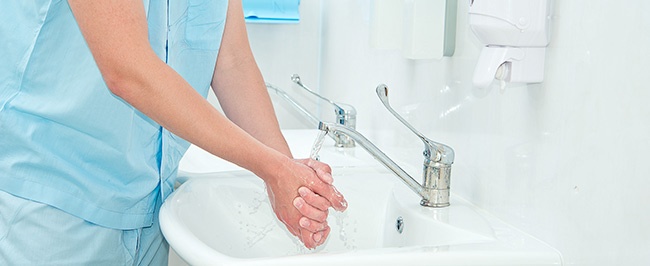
<point x="98" y="102"/>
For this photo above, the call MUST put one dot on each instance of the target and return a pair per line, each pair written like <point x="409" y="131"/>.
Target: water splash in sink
<point x="342" y="222"/>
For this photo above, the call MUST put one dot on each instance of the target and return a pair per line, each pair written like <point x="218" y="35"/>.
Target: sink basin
<point x="197" y="161"/>
<point x="226" y="219"/>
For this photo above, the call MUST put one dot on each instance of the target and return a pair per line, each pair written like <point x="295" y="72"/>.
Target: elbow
<point x="121" y="82"/>
<point x="134" y="79"/>
<point x="115" y="84"/>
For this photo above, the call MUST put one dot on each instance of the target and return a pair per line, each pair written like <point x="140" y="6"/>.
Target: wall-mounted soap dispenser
<point x="515" y="34"/>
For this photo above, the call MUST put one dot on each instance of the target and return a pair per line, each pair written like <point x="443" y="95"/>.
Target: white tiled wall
<point x="565" y="160"/>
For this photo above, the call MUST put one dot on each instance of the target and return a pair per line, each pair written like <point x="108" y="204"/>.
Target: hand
<point x="310" y="203"/>
<point x="323" y="170"/>
<point x="305" y="215"/>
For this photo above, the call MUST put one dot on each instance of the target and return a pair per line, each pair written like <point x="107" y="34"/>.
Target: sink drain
<point x="399" y="224"/>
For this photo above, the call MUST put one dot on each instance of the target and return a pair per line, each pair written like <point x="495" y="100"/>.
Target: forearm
<point x="239" y="85"/>
<point x="116" y="33"/>
<point x="166" y="98"/>
<point x="246" y="102"/>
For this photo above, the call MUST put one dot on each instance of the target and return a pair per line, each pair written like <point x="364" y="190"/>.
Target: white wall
<point x="282" y="50"/>
<point x="565" y="160"/>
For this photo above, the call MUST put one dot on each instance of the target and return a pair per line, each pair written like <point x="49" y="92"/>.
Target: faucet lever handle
<point x="345" y="114"/>
<point x="296" y="79"/>
<point x="430" y="145"/>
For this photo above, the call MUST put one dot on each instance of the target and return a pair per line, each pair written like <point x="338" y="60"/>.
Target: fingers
<point x="312" y="226"/>
<point x="325" y="189"/>
<point x="332" y="195"/>
<point x="323" y="170"/>
<point x="307" y="238"/>
<point x="312" y="234"/>
<point x="305" y="216"/>
<point x="313" y="199"/>
<point x="322" y="235"/>
<point x="309" y="211"/>
<point x="313" y="240"/>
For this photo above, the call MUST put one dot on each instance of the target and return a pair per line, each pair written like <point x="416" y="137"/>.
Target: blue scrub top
<point x="65" y="140"/>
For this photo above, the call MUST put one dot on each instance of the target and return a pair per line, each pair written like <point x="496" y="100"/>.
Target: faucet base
<point x="438" y="198"/>
<point x="436" y="179"/>
<point x="426" y="203"/>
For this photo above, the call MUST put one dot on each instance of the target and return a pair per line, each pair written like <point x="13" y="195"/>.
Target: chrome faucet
<point x="346" y="115"/>
<point x="301" y="109"/>
<point x="438" y="159"/>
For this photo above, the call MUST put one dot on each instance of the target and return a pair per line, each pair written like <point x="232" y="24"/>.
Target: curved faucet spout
<point x="435" y="188"/>
<point x="301" y="109"/>
<point x="375" y="152"/>
<point x="340" y="141"/>
<point x="345" y="114"/>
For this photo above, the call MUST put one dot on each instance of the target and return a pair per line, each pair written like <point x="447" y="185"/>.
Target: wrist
<point x="270" y="166"/>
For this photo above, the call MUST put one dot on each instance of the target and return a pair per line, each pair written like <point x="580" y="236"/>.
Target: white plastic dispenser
<point x="515" y="34"/>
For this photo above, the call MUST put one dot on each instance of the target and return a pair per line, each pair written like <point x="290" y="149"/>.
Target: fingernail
<point x="344" y="205"/>
<point x="304" y="222"/>
<point x="303" y="191"/>
<point x="318" y="236"/>
<point x="297" y="203"/>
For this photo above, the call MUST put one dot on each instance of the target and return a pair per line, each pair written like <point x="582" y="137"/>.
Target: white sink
<point x="197" y="162"/>
<point x="226" y="219"/>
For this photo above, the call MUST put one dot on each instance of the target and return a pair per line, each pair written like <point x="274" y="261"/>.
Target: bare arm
<point x="243" y="96"/>
<point x="116" y="33"/>
<point x="239" y="85"/>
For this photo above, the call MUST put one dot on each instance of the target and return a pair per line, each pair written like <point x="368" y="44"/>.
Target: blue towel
<point x="271" y="11"/>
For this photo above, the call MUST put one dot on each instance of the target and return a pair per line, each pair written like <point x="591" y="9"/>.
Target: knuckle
<point x="309" y="196"/>
<point x="304" y="210"/>
<point x="322" y="216"/>
<point x="317" y="227"/>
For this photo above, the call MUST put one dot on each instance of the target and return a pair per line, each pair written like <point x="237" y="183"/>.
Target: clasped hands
<point x="301" y="195"/>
